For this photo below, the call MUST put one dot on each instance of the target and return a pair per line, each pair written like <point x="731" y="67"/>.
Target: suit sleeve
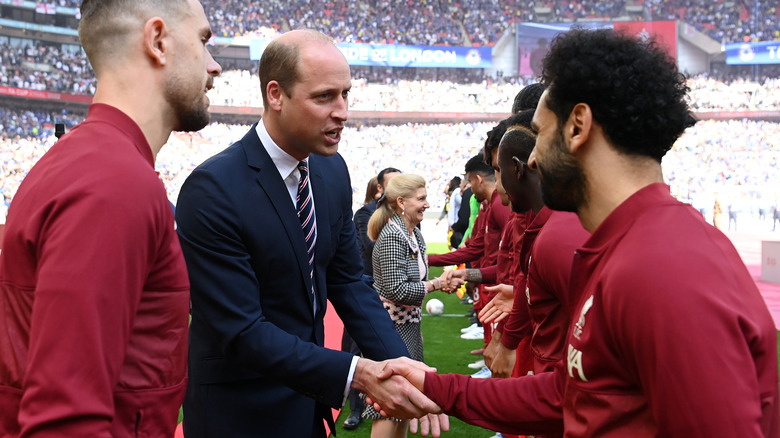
<point x="362" y="216"/>
<point x="529" y="405"/>
<point x="227" y="296"/>
<point x="355" y="301"/>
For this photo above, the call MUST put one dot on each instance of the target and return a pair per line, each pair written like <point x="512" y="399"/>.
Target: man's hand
<point x="402" y="374"/>
<point x="500" y="306"/>
<point x="498" y="358"/>
<point x="452" y="279"/>
<point x="431" y="423"/>
<point x="387" y="385"/>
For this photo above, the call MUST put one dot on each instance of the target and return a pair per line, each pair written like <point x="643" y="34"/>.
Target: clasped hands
<point x="394" y="387"/>
<point x="449" y="282"/>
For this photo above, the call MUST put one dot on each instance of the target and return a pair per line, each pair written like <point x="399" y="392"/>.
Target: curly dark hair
<point x="633" y="88"/>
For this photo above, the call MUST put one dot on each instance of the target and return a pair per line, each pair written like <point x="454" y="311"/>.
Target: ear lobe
<point x="579" y="126"/>
<point x="155" y="40"/>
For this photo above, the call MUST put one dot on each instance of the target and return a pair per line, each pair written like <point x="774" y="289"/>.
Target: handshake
<point x="450" y="280"/>
<point x="394" y="387"/>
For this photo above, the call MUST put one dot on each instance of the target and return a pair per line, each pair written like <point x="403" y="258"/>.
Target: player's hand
<point x="500" y="306"/>
<point x="394" y="390"/>
<point x="500" y="359"/>
<point x="433" y="424"/>
<point x="452" y="279"/>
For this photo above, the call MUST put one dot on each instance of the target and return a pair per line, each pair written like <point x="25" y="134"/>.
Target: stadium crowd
<point x="727" y="22"/>
<point x="477" y="22"/>
<point x="64" y="69"/>
<point x="739" y="159"/>
<point x="42" y="66"/>
<point x="48" y="66"/>
<point x="241" y="88"/>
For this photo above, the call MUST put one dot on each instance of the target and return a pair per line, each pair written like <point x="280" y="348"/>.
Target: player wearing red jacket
<point x="670" y="336"/>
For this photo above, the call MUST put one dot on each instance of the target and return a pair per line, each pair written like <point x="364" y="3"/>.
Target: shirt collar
<point x="285" y="163"/>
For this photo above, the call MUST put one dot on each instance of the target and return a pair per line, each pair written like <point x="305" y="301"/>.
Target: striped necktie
<point x="305" y="208"/>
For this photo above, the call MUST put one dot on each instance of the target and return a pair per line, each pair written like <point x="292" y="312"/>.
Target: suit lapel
<point x="272" y="184"/>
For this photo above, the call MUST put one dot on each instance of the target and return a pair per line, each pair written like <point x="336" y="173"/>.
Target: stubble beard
<point x="562" y="179"/>
<point x="189" y="114"/>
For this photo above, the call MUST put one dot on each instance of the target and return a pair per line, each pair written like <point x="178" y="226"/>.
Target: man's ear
<point x="578" y="127"/>
<point x="156" y="40"/>
<point x="275" y="95"/>
<point x="519" y="168"/>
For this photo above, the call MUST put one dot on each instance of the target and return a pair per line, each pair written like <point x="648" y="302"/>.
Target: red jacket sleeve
<point x="528" y="405"/>
<point x="471" y="251"/>
<point x="518" y="324"/>
<point x="489" y="274"/>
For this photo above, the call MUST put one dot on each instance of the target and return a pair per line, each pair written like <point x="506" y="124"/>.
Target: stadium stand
<point x="47" y="62"/>
<point x="477" y="22"/>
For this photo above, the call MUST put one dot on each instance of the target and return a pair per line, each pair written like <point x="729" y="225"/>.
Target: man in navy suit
<point x="257" y="366"/>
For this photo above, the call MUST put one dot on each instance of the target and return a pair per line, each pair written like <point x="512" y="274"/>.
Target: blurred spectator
<point x="740" y="159"/>
<point x="471" y="22"/>
<point x="46" y="67"/>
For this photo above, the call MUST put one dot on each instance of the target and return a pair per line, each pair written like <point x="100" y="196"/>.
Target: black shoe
<point x="353" y="421"/>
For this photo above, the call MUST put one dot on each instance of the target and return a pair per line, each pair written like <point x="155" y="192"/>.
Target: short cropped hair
<point x="106" y="25"/>
<point x="494" y="136"/>
<point x="519" y="141"/>
<point x="478" y="166"/>
<point x="280" y="62"/>
<point x="633" y="88"/>
<point x="380" y="179"/>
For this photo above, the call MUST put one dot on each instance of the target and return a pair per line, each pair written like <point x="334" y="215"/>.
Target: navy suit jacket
<point x="362" y="216"/>
<point x="257" y="365"/>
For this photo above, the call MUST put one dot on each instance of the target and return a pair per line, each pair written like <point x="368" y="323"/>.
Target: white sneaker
<point x="477" y="333"/>
<point x="484" y="373"/>
<point x="497" y="435"/>
<point x="469" y="328"/>
<point x="477" y="365"/>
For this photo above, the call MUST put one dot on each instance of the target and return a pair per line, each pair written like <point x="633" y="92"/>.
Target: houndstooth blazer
<point x="396" y="271"/>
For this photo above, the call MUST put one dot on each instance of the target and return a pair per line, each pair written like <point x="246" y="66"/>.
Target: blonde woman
<point x="400" y="272"/>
